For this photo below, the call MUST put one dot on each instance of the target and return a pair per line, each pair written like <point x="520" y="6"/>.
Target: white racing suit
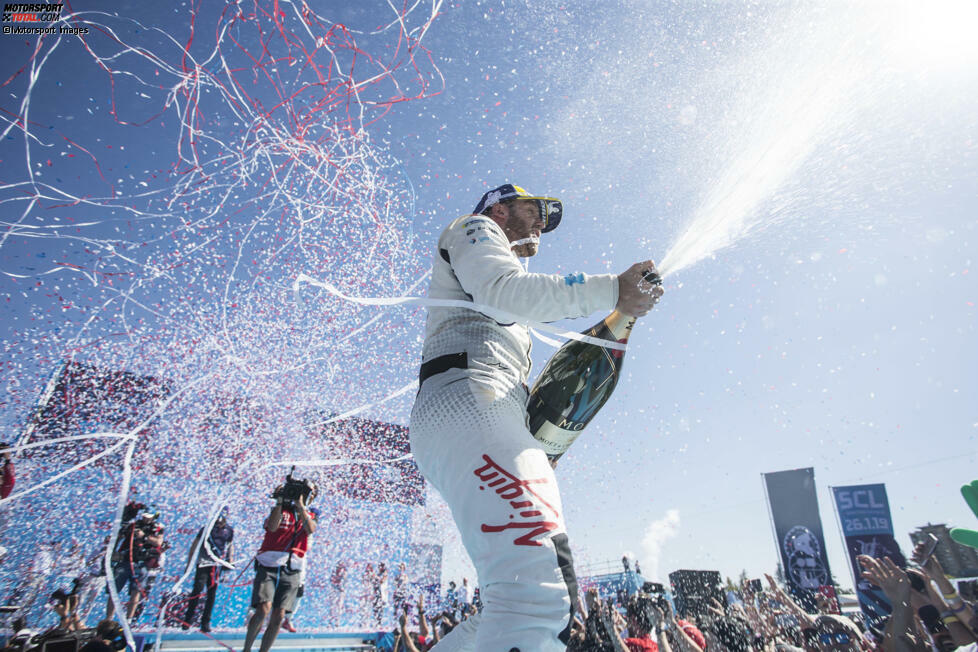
<point x="470" y="438"/>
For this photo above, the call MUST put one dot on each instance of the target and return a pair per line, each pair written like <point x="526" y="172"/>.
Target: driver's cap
<point x="551" y="210"/>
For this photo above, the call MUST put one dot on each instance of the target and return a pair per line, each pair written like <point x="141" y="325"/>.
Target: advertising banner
<point x="864" y="513"/>
<point x="798" y="531"/>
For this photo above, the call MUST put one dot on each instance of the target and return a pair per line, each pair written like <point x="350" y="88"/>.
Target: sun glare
<point x="936" y="34"/>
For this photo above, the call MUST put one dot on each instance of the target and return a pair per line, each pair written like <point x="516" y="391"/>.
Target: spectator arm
<point x="683" y="642"/>
<point x="423" y="625"/>
<point x="899" y="634"/>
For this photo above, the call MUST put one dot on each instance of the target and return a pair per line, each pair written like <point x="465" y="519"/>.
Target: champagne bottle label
<point x="574" y="384"/>
<point x="555" y="440"/>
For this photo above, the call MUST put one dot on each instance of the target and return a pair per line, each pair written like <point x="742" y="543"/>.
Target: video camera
<point x="656" y="594"/>
<point x="293" y="489"/>
<point x="131" y="511"/>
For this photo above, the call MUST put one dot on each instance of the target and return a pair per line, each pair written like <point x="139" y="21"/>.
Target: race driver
<point x="468" y="427"/>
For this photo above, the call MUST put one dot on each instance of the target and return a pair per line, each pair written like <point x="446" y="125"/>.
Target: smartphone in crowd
<point x="928" y="549"/>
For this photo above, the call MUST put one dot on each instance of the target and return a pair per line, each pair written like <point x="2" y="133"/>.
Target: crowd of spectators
<point x="927" y="615"/>
<point x="418" y="630"/>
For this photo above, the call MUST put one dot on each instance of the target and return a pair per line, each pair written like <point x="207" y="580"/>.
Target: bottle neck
<point x="620" y="325"/>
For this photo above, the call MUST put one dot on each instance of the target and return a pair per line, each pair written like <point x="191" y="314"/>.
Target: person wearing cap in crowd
<point x="469" y="431"/>
<point x="213" y="558"/>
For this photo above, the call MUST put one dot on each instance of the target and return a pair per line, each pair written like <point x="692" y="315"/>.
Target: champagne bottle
<point x="576" y="383"/>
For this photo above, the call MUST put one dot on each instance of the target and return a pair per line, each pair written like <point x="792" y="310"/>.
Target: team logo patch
<point x="493" y="198"/>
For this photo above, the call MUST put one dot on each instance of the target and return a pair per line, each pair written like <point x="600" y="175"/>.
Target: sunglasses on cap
<point x="551" y="209"/>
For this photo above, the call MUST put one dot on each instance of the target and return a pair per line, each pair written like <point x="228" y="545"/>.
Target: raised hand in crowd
<point x="581" y="607"/>
<point x="442" y="624"/>
<point x="889" y="577"/>
<point x="605" y="612"/>
<point x="955" y="613"/>
<point x="961" y="609"/>
<point x="672" y="632"/>
<point x="577" y="641"/>
<point x="805" y="619"/>
<point x="422" y="620"/>
<point x="900" y="634"/>
<point x="436" y="628"/>
<point x="596" y="631"/>
<point x="617" y="620"/>
<point x="404" y="636"/>
<point x="716" y="608"/>
<point x="762" y="624"/>
<point x="591" y="599"/>
<point x="663" y="629"/>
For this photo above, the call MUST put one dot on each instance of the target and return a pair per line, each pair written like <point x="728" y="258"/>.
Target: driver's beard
<point x="526" y="250"/>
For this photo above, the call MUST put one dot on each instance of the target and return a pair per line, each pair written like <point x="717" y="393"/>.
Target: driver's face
<point x="523" y="222"/>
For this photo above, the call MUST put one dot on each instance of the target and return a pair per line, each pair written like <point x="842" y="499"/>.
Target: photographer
<point x="213" y="559"/>
<point x="281" y="559"/>
<point x="137" y="556"/>
<point x="7" y="484"/>
<point x="108" y="638"/>
<point x="6" y="487"/>
<point x="83" y="570"/>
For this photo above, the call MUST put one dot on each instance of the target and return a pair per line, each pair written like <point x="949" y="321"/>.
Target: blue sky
<point x="837" y="329"/>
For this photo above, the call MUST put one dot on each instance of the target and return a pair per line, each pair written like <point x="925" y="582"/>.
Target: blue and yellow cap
<point x="551" y="210"/>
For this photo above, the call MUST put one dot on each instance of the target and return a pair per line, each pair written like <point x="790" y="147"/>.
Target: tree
<point x="779" y="575"/>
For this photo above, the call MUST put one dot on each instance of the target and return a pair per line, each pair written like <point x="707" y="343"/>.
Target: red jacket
<point x="290" y="536"/>
<point x="8" y="479"/>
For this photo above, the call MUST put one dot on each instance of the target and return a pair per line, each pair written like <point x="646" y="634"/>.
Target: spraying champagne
<point x="577" y="381"/>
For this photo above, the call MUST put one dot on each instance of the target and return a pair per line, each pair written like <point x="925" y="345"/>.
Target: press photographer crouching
<point x="138" y="555"/>
<point x="281" y="559"/>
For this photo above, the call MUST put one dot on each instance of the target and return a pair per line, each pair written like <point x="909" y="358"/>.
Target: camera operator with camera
<point x="138" y="555"/>
<point x="281" y="559"/>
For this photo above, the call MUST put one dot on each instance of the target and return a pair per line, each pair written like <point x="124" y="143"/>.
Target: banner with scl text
<point x="864" y="513"/>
